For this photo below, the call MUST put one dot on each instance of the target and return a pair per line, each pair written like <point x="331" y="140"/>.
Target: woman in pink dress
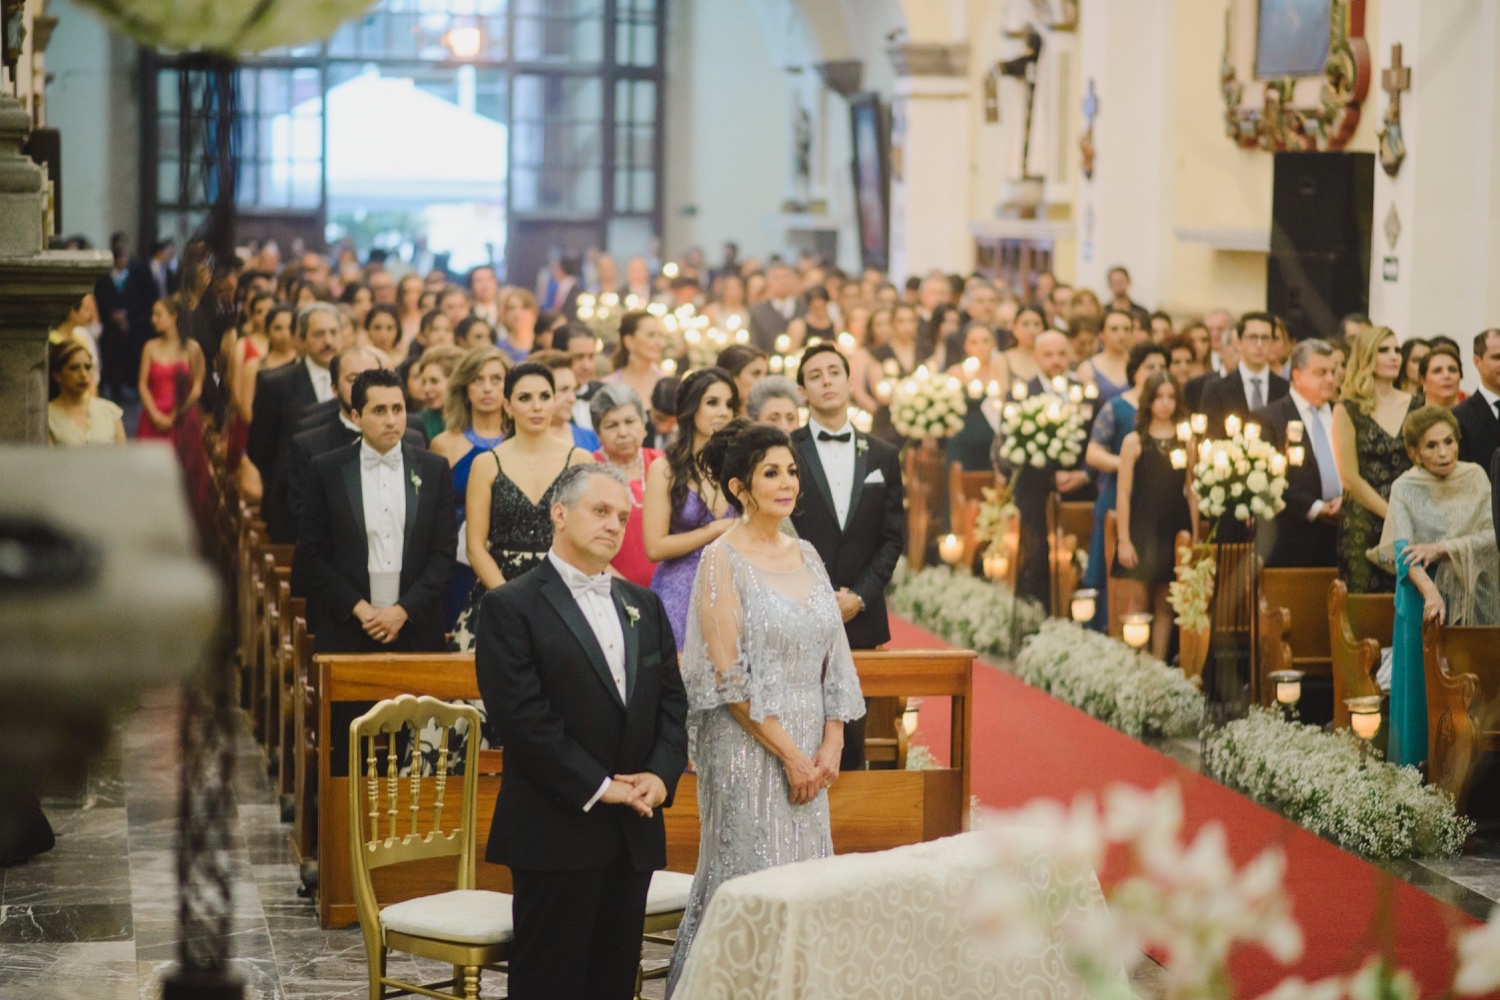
<point x="171" y="378"/>
<point x="620" y="420"/>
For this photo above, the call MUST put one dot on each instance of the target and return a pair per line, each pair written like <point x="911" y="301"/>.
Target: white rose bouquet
<point x="928" y="405"/>
<point x="1241" y="475"/>
<point x="1041" y="430"/>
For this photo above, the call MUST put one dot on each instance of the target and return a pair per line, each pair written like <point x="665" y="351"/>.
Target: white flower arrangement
<point x="1190" y="594"/>
<point x="963" y="610"/>
<point x="1126" y="690"/>
<point x="928" y="405"/>
<point x="1326" y="783"/>
<point x="1240" y="475"/>
<point x="1043" y="430"/>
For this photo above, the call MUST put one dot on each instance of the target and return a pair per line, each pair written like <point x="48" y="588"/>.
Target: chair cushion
<point x="468" y="916"/>
<point x="669" y="892"/>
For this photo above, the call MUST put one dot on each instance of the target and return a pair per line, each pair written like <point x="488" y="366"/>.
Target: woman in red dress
<point x="171" y="378"/>
<point x="621" y="425"/>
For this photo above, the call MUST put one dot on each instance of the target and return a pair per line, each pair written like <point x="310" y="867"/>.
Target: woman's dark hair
<point x="1149" y="393"/>
<point x="277" y="311"/>
<point x="1433" y="342"/>
<point x="817" y="293"/>
<point x="927" y="334"/>
<point x="253" y="300"/>
<point x="735" y="451"/>
<point x="1440" y="350"/>
<point x="737" y="357"/>
<point x="350" y="291"/>
<point x="512" y="379"/>
<point x="1406" y="349"/>
<point x="629" y="323"/>
<point x="384" y="310"/>
<point x="1035" y="312"/>
<point x="1138" y="355"/>
<point x="682" y="461"/>
<point x="461" y="332"/>
<point x="428" y="318"/>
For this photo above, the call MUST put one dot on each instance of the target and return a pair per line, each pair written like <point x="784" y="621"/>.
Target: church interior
<point x="1178" y="322"/>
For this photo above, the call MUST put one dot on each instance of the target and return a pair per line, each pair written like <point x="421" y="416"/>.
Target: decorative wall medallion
<point x="1392" y="146"/>
<point x="1305" y="113"/>
<point x="1086" y="140"/>
<point x="1392" y="226"/>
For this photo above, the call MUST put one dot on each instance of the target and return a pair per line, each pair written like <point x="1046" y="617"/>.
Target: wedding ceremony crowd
<point x="662" y="500"/>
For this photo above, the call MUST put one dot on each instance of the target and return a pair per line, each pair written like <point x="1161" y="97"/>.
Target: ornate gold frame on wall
<point x="1300" y="113"/>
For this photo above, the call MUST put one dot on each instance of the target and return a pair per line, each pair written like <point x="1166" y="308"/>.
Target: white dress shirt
<point x="383" y="489"/>
<point x="322" y="380"/>
<point x="344" y="419"/>
<point x="837" y="458"/>
<point x="1264" y="375"/>
<point x="595" y="600"/>
<point x="1324" y="417"/>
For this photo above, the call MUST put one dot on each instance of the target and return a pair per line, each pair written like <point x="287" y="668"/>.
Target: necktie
<point x="1327" y="471"/>
<point x="391" y="459"/>
<point x="597" y="585"/>
<point x="1257" y="398"/>
<point x="841" y="438"/>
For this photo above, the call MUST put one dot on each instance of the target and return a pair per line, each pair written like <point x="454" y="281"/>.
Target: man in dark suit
<point x="578" y="670"/>
<point x="770" y="319"/>
<point x="281" y="396"/>
<point x="1479" y="428"/>
<point x="1252" y="384"/>
<point x="1306" y="532"/>
<point x="124" y="297"/>
<point x="852" y="509"/>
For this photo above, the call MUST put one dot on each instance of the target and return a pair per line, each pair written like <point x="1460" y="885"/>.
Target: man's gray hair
<point x="307" y="312"/>
<point x="574" y="481"/>
<point x="769" y="388"/>
<point x="611" y="396"/>
<point x="1304" y="351"/>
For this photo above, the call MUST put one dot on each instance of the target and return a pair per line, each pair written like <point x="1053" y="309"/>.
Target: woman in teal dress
<point x="1114" y="423"/>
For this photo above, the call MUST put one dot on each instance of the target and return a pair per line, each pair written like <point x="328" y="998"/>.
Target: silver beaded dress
<point x="775" y="640"/>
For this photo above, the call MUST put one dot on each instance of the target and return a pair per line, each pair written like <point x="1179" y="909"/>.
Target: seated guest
<point x="617" y="413"/>
<point x="1480" y="437"/>
<point x="774" y="402"/>
<point x="1306" y="532"/>
<point x="1440" y="373"/>
<point x="1439" y="540"/>
<point x="565" y="384"/>
<point x="78" y="416"/>
<point x="1251" y="385"/>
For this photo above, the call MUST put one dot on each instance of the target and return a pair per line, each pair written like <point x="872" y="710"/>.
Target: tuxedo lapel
<point x="354" y="486"/>
<point x="861" y="469"/>
<point x="413" y="496"/>
<point x="632" y="640"/>
<point x="561" y="599"/>
<point x="810" y="459"/>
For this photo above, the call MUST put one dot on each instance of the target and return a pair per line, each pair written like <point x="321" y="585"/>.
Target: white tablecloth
<point x="881" y="926"/>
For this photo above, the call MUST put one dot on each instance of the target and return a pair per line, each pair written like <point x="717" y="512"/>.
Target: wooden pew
<point x="923" y="471"/>
<point x="1463" y="703"/>
<point x="965" y="496"/>
<point x="293" y="624"/>
<point x="1359" y="626"/>
<point x="1294" y="629"/>
<point x="871" y="810"/>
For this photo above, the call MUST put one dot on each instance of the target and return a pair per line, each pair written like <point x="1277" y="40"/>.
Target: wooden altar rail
<point x="870" y="810"/>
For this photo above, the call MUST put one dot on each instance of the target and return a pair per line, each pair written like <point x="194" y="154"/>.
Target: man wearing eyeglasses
<point x="1250" y="386"/>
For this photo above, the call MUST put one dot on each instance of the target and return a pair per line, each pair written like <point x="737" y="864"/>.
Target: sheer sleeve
<point x="842" y="699"/>
<point x="715" y="666"/>
<point x="1103" y="431"/>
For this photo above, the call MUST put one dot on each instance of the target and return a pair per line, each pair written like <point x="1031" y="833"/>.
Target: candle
<point x="846" y="341"/>
<point x="585" y="300"/>
<point x="1010" y="411"/>
<point x="922" y="371"/>
<point x="863" y="421"/>
<point x="801" y="414"/>
<point x="1231" y="426"/>
<point x="883" y="392"/>
<point x="1135" y="629"/>
<point x="1179" y="458"/>
<point x="783" y="344"/>
<point x="993" y="390"/>
<point x="976" y="389"/>
<point x="1288" y="686"/>
<point x="1084" y="605"/>
<point x="971" y="367"/>
<point x="776" y="363"/>
<point x="1364" y="715"/>
<point x="1221" y="459"/>
<point x="585" y="312"/>
<point x="632" y="301"/>
<point x="742" y="336"/>
<point x="1018" y="390"/>
<point x="1278" y="465"/>
<point x="951" y="548"/>
<point x="1252" y="432"/>
<point x="1091" y="391"/>
<point x="692" y="336"/>
<point x="669" y="366"/>
<point x="669" y="269"/>
<point x="1184" y="431"/>
<point x="1075" y="394"/>
<point x="732" y="321"/>
<point x="1294" y="431"/>
<point x="657" y="309"/>
<point x="1295" y="455"/>
<point x="954" y="384"/>
<point x="609" y="299"/>
<point x="1199" y="423"/>
<point x="1059" y="383"/>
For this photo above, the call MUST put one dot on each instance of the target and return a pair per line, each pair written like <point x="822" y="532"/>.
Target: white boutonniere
<point x="633" y="613"/>
<point x="416" y="482"/>
<point x="861" y="444"/>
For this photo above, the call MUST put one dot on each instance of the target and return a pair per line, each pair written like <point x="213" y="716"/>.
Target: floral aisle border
<point x="1324" y="782"/>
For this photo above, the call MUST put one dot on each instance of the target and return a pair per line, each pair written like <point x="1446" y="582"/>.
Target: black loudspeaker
<point x="1321" y="220"/>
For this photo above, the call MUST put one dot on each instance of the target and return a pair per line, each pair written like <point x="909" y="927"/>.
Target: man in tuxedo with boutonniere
<point x="853" y="514"/>
<point x="578" y="670"/>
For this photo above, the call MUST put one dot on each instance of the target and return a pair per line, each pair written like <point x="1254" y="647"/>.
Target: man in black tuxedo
<point x="578" y="670"/>
<point x="281" y="396"/>
<point x="771" y="318"/>
<point x="853" y="514"/>
<point x="1252" y="384"/>
<point x="1479" y="428"/>
<point x="1306" y="532"/>
<point x="124" y="298"/>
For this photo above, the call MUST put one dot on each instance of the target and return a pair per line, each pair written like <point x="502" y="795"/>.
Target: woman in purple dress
<point x="684" y="509"/>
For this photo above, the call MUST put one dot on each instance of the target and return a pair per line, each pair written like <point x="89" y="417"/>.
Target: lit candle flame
<point x="1294" y="431"/>
<point x="1184" y="431"/>
<point x="669" y="366"/>
<point x="1232" y="425"/>
<point x="1199" y="422"/>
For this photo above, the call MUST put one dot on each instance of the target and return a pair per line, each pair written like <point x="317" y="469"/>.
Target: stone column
<point x="36" y="287"/>
<point x="931" y="143"/>
<point x="1441" y="273"/>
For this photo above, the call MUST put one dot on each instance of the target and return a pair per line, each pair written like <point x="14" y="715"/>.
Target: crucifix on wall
<point x="1394" y="81"/>
<point x="1024" y="68"/>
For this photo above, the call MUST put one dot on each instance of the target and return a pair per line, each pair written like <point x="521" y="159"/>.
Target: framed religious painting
<point x="1294" y="73"/>
<point x="872" y="178"/>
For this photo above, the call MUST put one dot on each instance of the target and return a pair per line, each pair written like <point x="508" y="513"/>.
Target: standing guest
<point x="519" y="314"/>
<point x="661" y="414"/>
<point x="606" y="275"/>
<point x="1161" y="328"/>
<point x="981" y="302"/>
<point x="854" y="512"/>
<point x="746" y="365"/>
<point x="510" y="493"/>
<point x="1412" y="353"/>
<point x="251" y="346"/>
<point x="864" y="371"/>
<point x="1441" y="373"/>
<point x="1479" y="428"/>
<point x="583" y="350"/>
<point x="637" y="280"/>
<point x="1020" y="358"/>
<point x="548" y="325"/>
<point x="383" y="331"/>
<point x="172" y="373"/>
<point x="484" y="287"/>
<point x="436" y="330"/>
<point x="637" y="359"/>
<point x="1229" y="355"/>
<point x="893" y="361"/>
<point x="78" y="416"/>
<point x="1083" y="340"/>
<point x="1306" y="531"/>
<point x="1058" y="308"/>
<point x="1340" y="365"/>
<point x="311" y="441"/>
<point x="1086" y="303"/>
<point x="684" y="509"/>
<point x="1115" y="422"/>
<point x="565" y="385"/>
<point x="281" y="350"/>
<point x="579" y="671"/>
<point x="1119" y="291"/>
<point x="943" y="327"/>
<point x="1251" y="385"/>
<point x="1183" y="363"/>
<point x="357" y="296"/>
<point x="1197" y="334"/>
<point x="770" y="680"/>
<point x="1219" y="323"/>
<point x="774" y="402"/>
<point x="1107" y="368"/>
<point x="473" y="332"/>
<point x="816" y="322"/>
<point x="621" y="421"/>
<point x="124" y="298"/>
<point x="771" y="318"/>
<point x="453" y="302"/>
<point x="732" y="305"/>
<point x="1280" y="355"/>
<point x="435" y="368"/>
<point x="382" y="286"/>
<point x="1370" y="455"/>
<point x="409" y="307"/>
<point x="564" y="297"/>
<point x="980" y="362"/>
<point x="1152" y="506"/>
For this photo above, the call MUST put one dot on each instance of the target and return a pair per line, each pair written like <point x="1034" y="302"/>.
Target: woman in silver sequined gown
<point x="773" y="642"/>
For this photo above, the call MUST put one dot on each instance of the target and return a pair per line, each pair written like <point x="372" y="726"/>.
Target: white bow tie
<point x="599" y="585"/>
<point x="391" y="459"/>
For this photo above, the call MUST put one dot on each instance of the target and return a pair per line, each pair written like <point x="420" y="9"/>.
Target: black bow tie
<point x="841" y="438"/>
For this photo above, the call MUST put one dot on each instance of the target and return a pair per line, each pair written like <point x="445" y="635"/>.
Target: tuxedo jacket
<point x="333" y="554"/>
<point x="862" y="554"/>
<point x="1478" y="430"/>
<point x="327" y="412"/>
<point x="767" y="323"/>
<point x="1227" y="395"/>
<point x="1297" y="541"/>
<point x="551" y="698"/>
<point x="281" y="395"/>
<point x="1192" y="392"/>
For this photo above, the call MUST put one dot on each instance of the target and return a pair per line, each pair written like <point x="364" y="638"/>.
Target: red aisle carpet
<point x="1028" y="745"/>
